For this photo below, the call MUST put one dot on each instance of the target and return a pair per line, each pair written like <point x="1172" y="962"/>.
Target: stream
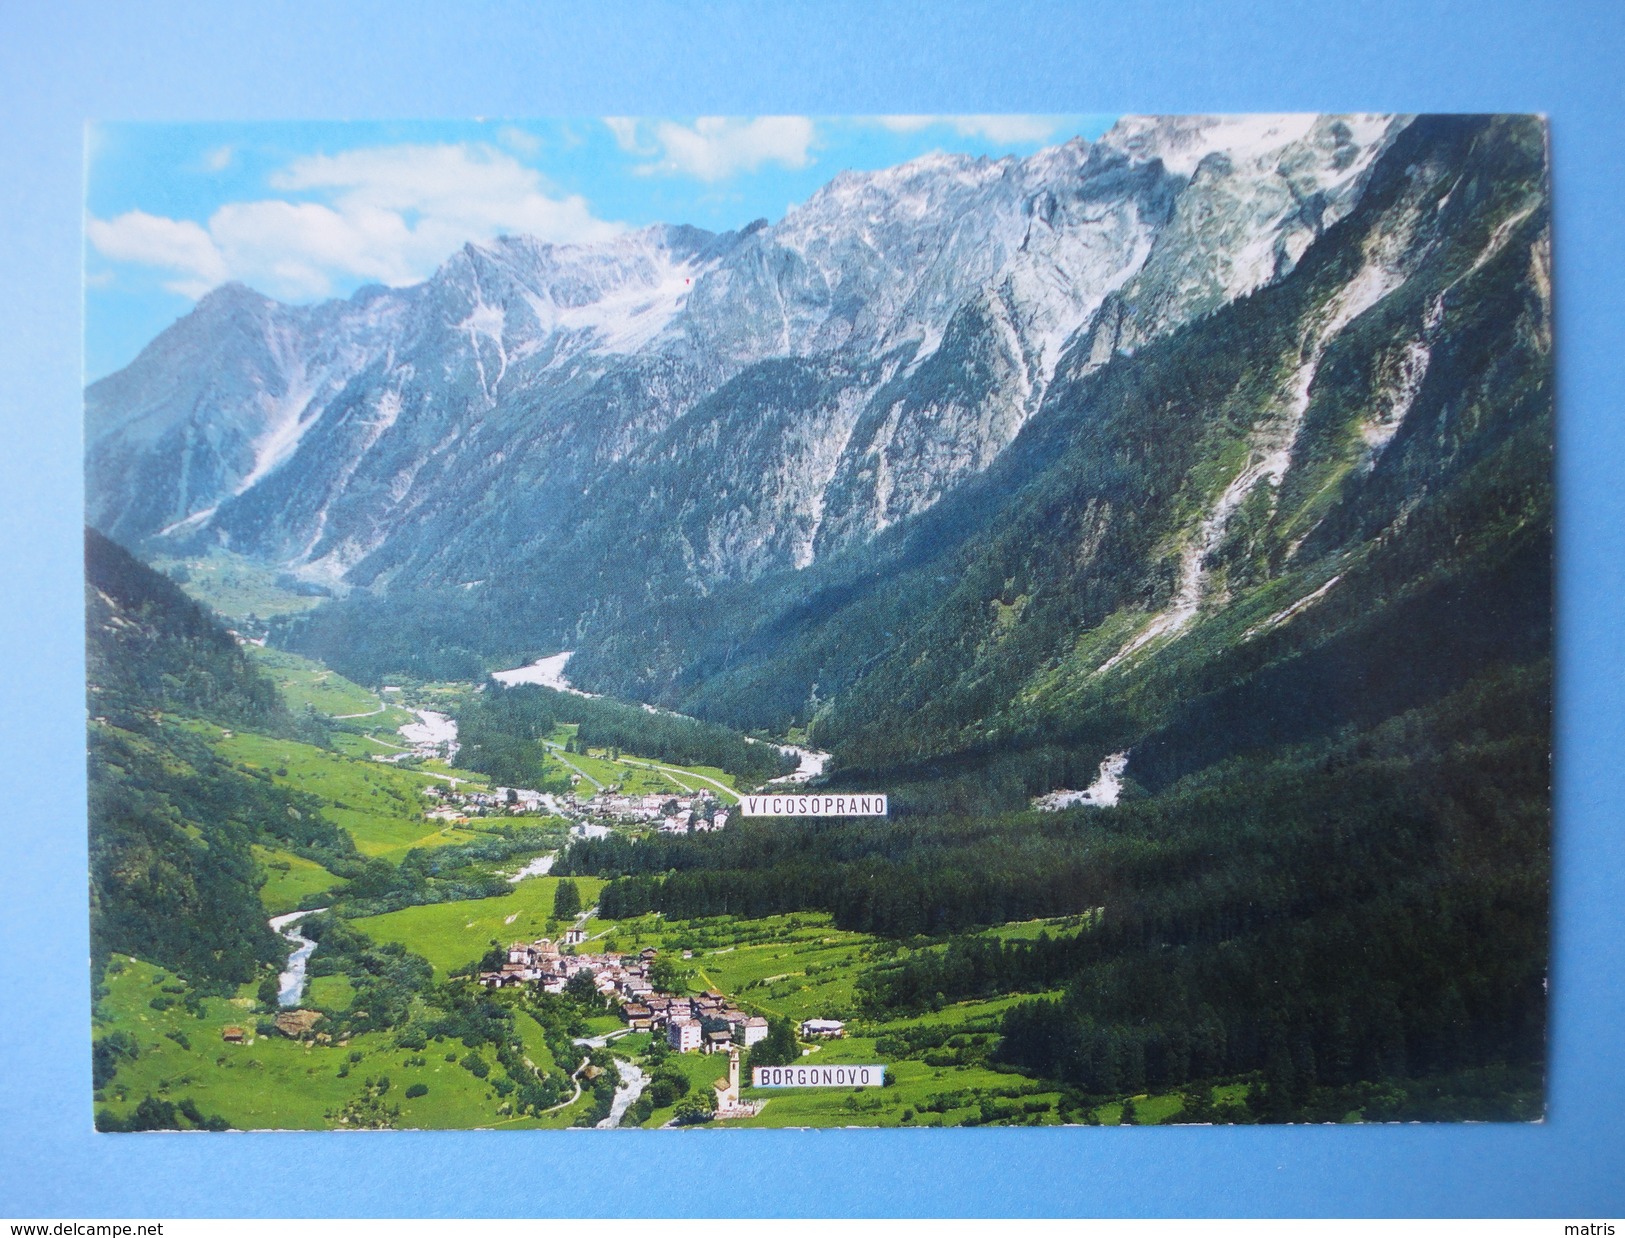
<point x="291" y="983"/>
<point x="1102" y="793"/>
<point x="633" y="1081"/>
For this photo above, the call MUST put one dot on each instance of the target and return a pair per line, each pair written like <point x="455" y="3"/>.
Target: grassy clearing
<point x="307" y="683"/>
<point x="800" y="966"/>
<point x="633" y="774"/>
<point x="1029" y="930"/>
<point x="330" y="992"/>
<point x="440" y="771"/>
<point x="381" y="807"/>
<point x="364" y="747"/>
<point x="980" y="1014"/>
<point x="536" y="1051"/>
<point x="453" y="935"/>
<point x="809" y="976"/>
<point x="1154" y="1108"/>
<point x="291" y="881"/>
<point x="689" y="779"/>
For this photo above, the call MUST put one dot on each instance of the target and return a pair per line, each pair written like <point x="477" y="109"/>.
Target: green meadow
<point x="1028" y="930"/>
<point x="329" y="992"/>
<point x="632" y="774"/>
<point x="270" y="1082"/>
<point x="381" y="807"/>
<point x="365" y="747"/>
<point x="453" y="935"/>
<point x="807" y="975"/>
<point x="291" y="881"/>
<point x="303" y="683"/>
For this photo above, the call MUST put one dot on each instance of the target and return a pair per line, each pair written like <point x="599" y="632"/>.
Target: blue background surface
<point x="61" y="64"/>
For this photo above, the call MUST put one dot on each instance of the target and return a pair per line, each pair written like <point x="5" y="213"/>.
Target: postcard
<point x="901" y="621"/>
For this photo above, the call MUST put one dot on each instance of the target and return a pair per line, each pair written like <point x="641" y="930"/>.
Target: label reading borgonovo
<point x="814" y="805"/>
<point x="817" y="1076"/>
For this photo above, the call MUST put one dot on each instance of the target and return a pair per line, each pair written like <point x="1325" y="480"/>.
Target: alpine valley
<point x="1163" y="522"/>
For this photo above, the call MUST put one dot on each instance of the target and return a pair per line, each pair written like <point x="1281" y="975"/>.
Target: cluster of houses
<point x="544" y="964"/>
<point x="668" y="814"/>
<point x="458" y="806"/>
<point x="705" y="1023"/>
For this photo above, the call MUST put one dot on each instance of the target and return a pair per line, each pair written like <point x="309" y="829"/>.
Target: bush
<point x="417" y="1090"/>
<point x="693" y="1110"/>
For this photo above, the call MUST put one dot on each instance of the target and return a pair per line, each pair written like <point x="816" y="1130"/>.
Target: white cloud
<point x="714" y="148"/>
<point x="907" y="124"/>
<point x="625" y="129"/>
<point x="389" y="214"/>
<point x="219" y="159"/>
<point x="178" y="245"/>
<point x="1005" y="128"/>
<point x="521" y="140"/>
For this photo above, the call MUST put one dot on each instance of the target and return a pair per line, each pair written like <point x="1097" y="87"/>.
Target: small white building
<point x="822" y="1029"/>
<point x="684" y="1035"/>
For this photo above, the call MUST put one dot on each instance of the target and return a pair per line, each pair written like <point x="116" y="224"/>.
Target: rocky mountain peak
<point x="932" y="302"/>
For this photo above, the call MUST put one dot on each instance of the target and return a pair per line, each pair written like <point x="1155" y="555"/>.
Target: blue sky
<point x="306" y="211"/>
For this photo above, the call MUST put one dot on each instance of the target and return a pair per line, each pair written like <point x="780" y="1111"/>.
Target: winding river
<point x="291" y="983"/>
<point x="633" y="1081"/>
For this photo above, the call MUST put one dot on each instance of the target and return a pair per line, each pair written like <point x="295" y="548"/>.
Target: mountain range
<point x="1206" y="437"/>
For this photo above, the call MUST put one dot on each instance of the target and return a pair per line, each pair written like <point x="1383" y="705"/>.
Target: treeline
<point x="895" y="878"/>
<point x="500" y="728"/>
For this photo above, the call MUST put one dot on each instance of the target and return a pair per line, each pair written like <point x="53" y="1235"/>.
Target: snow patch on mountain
<point x="988" y="270"/>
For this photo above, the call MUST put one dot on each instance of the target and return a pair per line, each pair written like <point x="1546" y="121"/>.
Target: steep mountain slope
<point x="1272" y="522"/>
<point x="172" y="874"/>
<point x="1313" y="488"/>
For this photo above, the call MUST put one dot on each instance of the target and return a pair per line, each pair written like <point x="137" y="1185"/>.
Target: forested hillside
<point x="172" y="825"/>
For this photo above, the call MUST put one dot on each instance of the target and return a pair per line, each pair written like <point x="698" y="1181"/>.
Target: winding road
<point x="675" y="774"/>
<point x="558" y="751"/>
